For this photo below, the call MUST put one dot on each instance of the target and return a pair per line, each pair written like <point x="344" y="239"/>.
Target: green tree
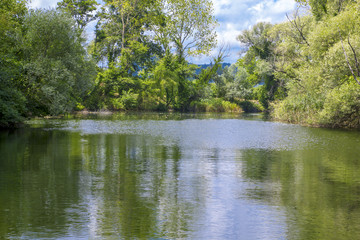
<point x="258" y="40"/>
<point x="321" y="8"/>
<point x="57" y="73"/>
<point x="259" y="60"/>
<point x="321" y="76"/>
<point x="190" y="26"/>
<point x="12" y="101"/>
<point x="189" y="30"/>
<point x="186" y="27"/>
<point x="121" y="30"/>
<point x="80" y="10"/>
<point x="165" y="81"/>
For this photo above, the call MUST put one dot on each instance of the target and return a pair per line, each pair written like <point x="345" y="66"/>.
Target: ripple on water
<point x="196" y="133"/>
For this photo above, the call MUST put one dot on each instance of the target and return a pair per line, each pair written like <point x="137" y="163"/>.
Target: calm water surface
<point x="171" y="176"/>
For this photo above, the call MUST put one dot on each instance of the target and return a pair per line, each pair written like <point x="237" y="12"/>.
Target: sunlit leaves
<point x="80" y="10"/>
<point x="190" y="26"/>
<point x="320" y="75"/>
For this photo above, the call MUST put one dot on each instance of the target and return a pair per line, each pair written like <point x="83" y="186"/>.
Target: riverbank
<point x="331" y="114"/>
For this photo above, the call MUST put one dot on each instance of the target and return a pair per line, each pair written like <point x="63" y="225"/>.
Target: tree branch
<point x="347" y="59"/>
<point x="355" y="57"/>
<point x="295" y="25"/>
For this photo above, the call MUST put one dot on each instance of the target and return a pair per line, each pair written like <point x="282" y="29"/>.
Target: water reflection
<point x="186" y="178"/>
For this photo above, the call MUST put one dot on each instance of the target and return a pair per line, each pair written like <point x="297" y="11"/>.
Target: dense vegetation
<point x="305" y="70"/>
<point x="315" y="57"/>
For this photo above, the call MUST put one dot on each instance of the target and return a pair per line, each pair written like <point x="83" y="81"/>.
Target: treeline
<point x="309" y="64"/>
<point x="304" y="70"/>
<point x="138" y="59"/>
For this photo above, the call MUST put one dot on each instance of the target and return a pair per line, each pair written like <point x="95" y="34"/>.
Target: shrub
<point x="116" y="104"/>
<point x="129" y="100"/>
<point x="302" y="108"/>
<point x="342" y="107"/>
<point x="251" y="106"/>
<point x="214" y="105"/>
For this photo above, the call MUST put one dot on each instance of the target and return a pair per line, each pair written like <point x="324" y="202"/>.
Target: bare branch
<point x="297" y="26"/>
<point x="224" y="51"/>
<point x="347" y="59"/>
<point x="355" y="57"/>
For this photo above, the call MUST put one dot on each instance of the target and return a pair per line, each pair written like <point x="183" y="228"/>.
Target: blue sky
<point x="233" y="17"/>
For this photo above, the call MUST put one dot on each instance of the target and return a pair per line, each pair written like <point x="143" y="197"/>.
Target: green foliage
<point x="300" y="108"/>
<point x="80" y="10"/>
<point x="129" y="100"/>
<point x="251" y="106"/>
<point x="56" y="71"/>
<point x="325" y="8"/>
<point x="164" y="81"/>
<point x="146" y="65"/>
<point x="259" y="64"/>
<point x="342" y="106"/>
<point x="257" y="39"/>
<point x="109" y="88"/>
<point x="12" y="101"/>
<point x="190" y="26"/>
<point x="120" y="33"/>
<point x="320" y="90"/>
<point x="214" y="105"/>
<point x="339" y="107"/>
<point x="241" y="86"/>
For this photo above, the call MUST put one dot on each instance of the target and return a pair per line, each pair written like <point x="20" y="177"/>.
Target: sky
<point x="233" y="17"/>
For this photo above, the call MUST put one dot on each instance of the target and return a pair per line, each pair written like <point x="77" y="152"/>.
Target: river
<point x="178" y="176"/>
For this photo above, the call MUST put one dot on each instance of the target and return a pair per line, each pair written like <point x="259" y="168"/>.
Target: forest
<point x="304" y="70"/>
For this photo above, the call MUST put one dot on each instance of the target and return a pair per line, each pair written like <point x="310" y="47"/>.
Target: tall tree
<point x="12" y="102"/>
<point x="81" y="10"/>
<point x="190" y="31"/>
<point x="190" y="26"/>
<point x="121" y="24"/>
<point x="321" y="8"/>
<point x="258" y="58"/>
<point x="257" y="39"/>
<point x="57" y="71"/>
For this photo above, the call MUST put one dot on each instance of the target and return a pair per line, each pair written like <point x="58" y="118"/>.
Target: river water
<point x="176" y="176"/>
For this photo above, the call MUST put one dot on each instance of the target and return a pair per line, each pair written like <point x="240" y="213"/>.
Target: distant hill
<point x="204" y="66"/>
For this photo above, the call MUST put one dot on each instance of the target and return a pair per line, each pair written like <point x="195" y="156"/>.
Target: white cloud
<point x="43" y="3"/>
<point x="237" y="15"/>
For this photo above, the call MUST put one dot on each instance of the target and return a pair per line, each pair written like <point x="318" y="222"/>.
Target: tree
<point x="259" y="58"/>
<point x="239" y="86"/>
<point x="188" y="31"/>
<point x="121" y="27"/>
<point x="12" y="101"/>
<point x="80" y="10"/>
<point x="164" y="81"/>
<point x="190" y="26"/>
<point x="257" y="39"/>
<point x="57" y="73"/>
<point x="321" y="8"/>
<point x="322" y="77"/>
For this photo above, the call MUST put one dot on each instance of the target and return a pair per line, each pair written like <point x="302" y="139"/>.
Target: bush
<point x="116" y="104"/>
<point x="302" y="108"/>
<point x="214" y="105"/>
<point x="129" y="100"/>
<point x="251" y="106"/>
<point x="342" y="107"/>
